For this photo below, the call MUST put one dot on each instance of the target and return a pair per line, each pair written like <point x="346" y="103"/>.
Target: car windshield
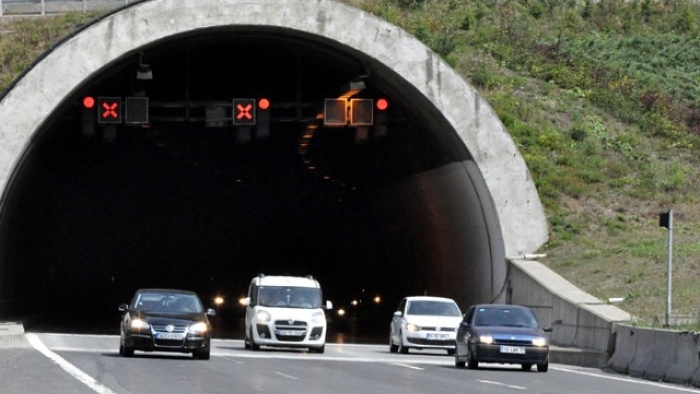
<point x="167" y="302"/>
<point x="289" y="297"/>
<point x="505" y="317"/>
<point x="432" y="308"/>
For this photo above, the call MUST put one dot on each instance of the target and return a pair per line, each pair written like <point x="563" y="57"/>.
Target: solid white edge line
<point x="68" y="367"/>
<point x="665" y="385"/>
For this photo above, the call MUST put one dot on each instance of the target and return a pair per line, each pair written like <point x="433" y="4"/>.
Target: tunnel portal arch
<point x="472" y="213"/>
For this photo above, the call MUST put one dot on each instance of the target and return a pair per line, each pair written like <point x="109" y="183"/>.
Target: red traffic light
<point x="89" y="102"/>
<point x="382" y="104"/>
<point x="263" y="103"/>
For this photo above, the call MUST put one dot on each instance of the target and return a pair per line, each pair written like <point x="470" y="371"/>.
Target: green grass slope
<point x="603" y="101"/>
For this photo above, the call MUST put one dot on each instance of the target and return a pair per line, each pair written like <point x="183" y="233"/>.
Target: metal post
<point x="669" y="267"/>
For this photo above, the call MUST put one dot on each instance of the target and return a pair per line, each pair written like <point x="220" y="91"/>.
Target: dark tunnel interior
<point x="190" y="202"/>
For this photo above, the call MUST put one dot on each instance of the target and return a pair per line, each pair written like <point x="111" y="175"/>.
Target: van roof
<point x="296" y="281"/>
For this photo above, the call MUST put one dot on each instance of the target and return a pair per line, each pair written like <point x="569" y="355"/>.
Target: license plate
<point x="513" y="349"/>
<point x="290" y="333"/>
<point x="438" y="336"/>
<point x="170" y="335"/>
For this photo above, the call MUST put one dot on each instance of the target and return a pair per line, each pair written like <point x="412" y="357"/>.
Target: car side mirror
<point x="547" y="329"/>
<point x="123" y="307"/>
<point x="211" y="312"/>
<point x="329" y="305"/>
<point x="398" y="313"/>
<point x="246" y="301"/>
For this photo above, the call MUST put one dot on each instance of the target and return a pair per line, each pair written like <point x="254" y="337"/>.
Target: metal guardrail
<point x="45" y="7"/>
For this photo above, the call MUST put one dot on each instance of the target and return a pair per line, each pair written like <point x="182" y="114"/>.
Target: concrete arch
<point x="512" y="218"/>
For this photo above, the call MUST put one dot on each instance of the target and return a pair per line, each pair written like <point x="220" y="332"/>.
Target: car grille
<point x="430" y="342"/>
<point x="177" y="329"/>
<point x="440" y="329"/>
<point x="512" y="342"/>
<point x="286" y="325"/>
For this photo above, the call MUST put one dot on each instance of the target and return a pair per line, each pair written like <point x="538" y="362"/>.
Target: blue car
<point x="505" y="334"/>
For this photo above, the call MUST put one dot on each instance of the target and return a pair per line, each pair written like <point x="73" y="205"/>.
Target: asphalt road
<point x="60" y="363"/>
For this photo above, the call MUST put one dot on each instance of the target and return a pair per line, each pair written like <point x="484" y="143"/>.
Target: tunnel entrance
<point x="91" y="214"/>
<point x="182" y="203"/>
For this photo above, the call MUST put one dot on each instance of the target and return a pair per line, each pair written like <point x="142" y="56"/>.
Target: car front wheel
<point x="202" y="355"/>
<point x="543" y="367"/>
<point x="392" y="348"/>
<point x="320" y="349"/>
<point x="126" y="351"/>
<point x="459" y="363"/>
<point x="472" y="362"/>
<point x="401" y="348"/>
<point x="250" y="343"/>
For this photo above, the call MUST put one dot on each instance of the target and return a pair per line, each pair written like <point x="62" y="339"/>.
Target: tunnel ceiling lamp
<point x="144" y="72"/>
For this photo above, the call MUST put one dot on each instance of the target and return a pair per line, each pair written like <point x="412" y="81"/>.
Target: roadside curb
<point x="11" y="333"/>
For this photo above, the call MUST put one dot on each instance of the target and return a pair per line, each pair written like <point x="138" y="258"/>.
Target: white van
<point x="285" y="311"/>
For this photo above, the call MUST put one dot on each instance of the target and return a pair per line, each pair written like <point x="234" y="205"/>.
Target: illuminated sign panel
<point x="244" y="112"/>
<point x="109" y="110"/>
<point x="335" y="112"/>
<point x="136" y="110"/>
<point x="361" y="112"/>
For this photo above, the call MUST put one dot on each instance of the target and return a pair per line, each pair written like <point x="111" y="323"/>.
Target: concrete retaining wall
<point x="584" y="322"/>
<point x="578" y="319"/>
<point x="661" y="355"/>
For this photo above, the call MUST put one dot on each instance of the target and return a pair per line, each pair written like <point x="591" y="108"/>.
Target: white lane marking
<point x="629" y="380"/>
<point x="284" y="375"/>
<point x="425" y="360"/>
<point x="410" y="366"/>
<point x="68" y="367"/>
<point x="510" y="386"/>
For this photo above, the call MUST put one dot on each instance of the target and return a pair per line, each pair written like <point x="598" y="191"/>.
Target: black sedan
<point x="165" y="320"/>
<point x="505" y="334"/>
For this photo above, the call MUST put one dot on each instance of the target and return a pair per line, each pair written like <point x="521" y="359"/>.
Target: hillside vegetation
<point x="603" y="101"/>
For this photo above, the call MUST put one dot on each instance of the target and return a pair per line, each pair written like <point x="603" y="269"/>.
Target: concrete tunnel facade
<point x="460" y="220"/>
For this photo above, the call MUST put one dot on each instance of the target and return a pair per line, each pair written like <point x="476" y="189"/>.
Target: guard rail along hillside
<point x="657" y="354"/>
<point x="49" y="7"/>
<point x="598" y="334"/>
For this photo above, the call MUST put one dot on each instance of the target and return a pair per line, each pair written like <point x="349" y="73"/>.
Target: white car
<point x="424" y="322"/>
<point x="285" y="311"/>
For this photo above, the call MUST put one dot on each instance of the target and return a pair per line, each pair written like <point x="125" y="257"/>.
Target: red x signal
<point x="244" y="112"/>
<point x="109" y="110"/>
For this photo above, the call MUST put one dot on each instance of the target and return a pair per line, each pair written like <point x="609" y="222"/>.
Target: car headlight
<point x="198" y="328"/>
<point x="263" y="317"/>
<point x="412" y="327"/>
<point x="487" y="339"/>
<point x="318" y="317"/>
<point x="539" y="341"/>
<point x="138" y="324"/>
